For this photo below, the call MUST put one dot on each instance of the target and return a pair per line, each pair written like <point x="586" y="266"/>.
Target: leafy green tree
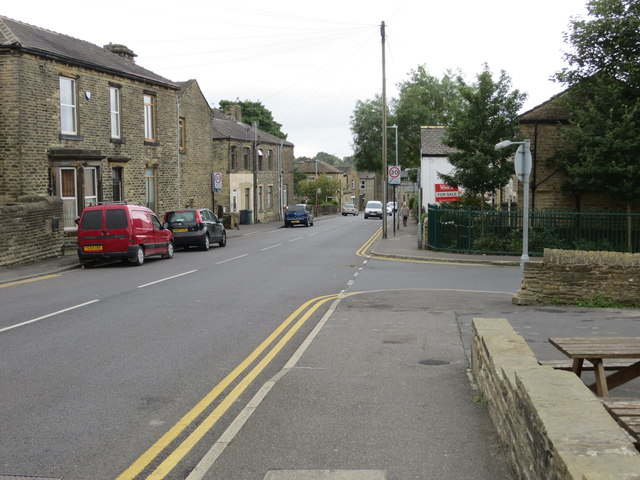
<point x="328" y="188"/>
<point x="298" y="178"/>
<point x="603" y="145"/>
<point x="327" y="158"/>
<point x="366" y="128"/>
<point x="605" y="43"/>
<point x="256" y="112"/>
<point x="423" y="99"/>
<point x="488" y="114"/>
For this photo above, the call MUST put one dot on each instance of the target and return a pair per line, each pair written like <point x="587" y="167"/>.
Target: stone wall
<point x="570" y="276"/>
<point x="550" y="424"/>
<point x="31" y="230"/>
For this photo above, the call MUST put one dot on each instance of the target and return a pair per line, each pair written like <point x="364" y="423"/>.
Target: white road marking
<point x="48" y="315"/>
<point x="168" y="278"/>
<point x="269" y="248"/>
<point x="231" y="259"/>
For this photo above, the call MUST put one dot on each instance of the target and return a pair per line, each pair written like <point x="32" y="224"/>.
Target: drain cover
<point x="433" y="362"/>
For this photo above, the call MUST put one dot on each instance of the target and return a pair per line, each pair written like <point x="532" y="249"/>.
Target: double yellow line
<point x="362" y="251"/>
<point x="177" y="454"/>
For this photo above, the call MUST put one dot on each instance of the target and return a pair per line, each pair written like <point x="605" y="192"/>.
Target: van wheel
<point x="139" y="258"/>
<point x="169" y="253"/>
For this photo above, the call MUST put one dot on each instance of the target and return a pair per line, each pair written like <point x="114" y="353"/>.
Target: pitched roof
<point x="21" y="36"/>
<point x="431" y="142"/>
<point x="226" y="128"/>
<point x="323" y="167"/>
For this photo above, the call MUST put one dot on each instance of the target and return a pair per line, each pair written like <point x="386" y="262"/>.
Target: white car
<point x="391" y="207"/>
<point x="373" y="209"/>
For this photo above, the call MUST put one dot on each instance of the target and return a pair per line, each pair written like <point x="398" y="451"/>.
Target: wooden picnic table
<point x="595" y="350"/>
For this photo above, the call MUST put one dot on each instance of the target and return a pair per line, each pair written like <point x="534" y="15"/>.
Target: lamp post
<point x="395" y="201"/>
<point x="522" y="165"/>
<point x="419" y="205"/>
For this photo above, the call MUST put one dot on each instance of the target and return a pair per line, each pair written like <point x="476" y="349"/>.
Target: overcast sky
<point x="309" y="62"/>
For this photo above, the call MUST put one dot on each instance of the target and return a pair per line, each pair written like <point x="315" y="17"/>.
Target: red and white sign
<point x="445" y="193"/>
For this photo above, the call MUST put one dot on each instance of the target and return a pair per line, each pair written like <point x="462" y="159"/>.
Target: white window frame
<point x="90" y="179"/>
<point x="70" y="204"/>
<point x="114" y="105"/>
<point x="68" y="106"/>
<point x="149" y="117"/>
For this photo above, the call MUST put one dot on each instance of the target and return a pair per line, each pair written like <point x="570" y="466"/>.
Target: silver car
<point x="373" y="209"/>
<point x="349" y="209"/>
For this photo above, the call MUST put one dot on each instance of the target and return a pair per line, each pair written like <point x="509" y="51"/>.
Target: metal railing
<point x="500" y="232"/>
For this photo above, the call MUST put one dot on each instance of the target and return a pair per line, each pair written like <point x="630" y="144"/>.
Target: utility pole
<point x="255" y="171"/>
<point x="384" y="136"/>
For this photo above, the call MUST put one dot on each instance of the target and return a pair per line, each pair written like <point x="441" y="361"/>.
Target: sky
<point x="310" y="62"/>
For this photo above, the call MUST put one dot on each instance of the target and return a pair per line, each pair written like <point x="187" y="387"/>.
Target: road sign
<point x="217" y="181"/>
<point x="522" y="162"/>
<point x="394" y="175"/>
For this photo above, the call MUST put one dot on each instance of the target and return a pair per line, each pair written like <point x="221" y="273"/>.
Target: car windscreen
<point x="182" y="217"/>
<point x="116" y="218"/>
<point x="92" y="220"/>
<point x="296" y="208"/>
<point x="374" y="205"/>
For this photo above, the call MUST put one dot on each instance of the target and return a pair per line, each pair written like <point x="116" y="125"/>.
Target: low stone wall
<point x="31" y="230"/>
<point x="550" y="424"/>
<point x="568" y="276"/>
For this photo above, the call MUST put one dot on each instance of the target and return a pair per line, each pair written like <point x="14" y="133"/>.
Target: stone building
<point x="83" y="123"/>
<point x="543" y="126"/>
<point x="259" y="176"/>
<point x="197" y="160"/>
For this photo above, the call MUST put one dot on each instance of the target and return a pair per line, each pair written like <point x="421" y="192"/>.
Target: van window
<point x="116" y="219"/>
<point x="141" y="219"/>
<point x="92" y="220"/>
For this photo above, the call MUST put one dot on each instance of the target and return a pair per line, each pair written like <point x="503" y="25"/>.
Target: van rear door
<point x="116" y="231"/>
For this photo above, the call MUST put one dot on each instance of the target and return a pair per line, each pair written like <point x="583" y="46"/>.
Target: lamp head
<point x="503" y="144"/>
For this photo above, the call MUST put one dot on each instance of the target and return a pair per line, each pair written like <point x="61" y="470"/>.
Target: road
<point x="107" y="372"/>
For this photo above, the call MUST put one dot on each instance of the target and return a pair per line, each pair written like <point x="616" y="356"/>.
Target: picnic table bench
<point x="626" y="411"/>
<point x="596" y="350"/>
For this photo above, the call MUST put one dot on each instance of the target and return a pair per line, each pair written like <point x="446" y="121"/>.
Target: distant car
<point x="391" y="207"/>
<point x="121" y="231"/>
<point x="298" y="215"/>
<point x="195" y="227"/>
<point x="349" y="209"/>
<point x="373" y="209"/>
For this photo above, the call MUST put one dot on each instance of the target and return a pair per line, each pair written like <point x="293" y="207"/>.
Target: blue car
<point x="298" y="215"/>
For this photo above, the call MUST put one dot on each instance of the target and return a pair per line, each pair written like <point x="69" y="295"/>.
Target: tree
<point x="422" y="100"/>
<point x="602" y="152"/>
<point x="366" y="128"/>
<point x="606" y="43"/>
<point x="327" y="158"/>
<point x="328" y="188"/>
<point x="256" y="112"/>
<point x="488" y="114"/>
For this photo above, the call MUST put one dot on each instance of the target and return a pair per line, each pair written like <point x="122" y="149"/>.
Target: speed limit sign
<point x="394" y="175"/>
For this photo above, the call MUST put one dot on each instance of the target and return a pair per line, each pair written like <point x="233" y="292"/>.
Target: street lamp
<point x="522" y="164"/>
<point x="419" y="205"/>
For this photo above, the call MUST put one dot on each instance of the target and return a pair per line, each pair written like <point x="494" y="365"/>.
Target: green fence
<point x="499" y="232"/>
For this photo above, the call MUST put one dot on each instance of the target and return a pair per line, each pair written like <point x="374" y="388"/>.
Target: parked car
<point x="120" y="231"/>
<point x="349" y="209"/>
<point x="195" y="227"/>
<point x="373" y="209"/>
<point x="298" y="214"/>
<point x="391" y="207"/>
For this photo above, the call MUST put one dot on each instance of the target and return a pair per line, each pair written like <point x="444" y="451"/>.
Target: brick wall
<point x="550" y="424"/>
<point x="32" y="230"/>
<point x="568" y="276"/>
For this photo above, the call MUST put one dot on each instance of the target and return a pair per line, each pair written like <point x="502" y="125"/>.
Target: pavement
<point x="383" y="390"/>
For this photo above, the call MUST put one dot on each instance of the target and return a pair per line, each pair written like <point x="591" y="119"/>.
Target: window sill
<point x="151" y="143"/>
<point x="67" y="136"/>
<point x="118" y="141"/>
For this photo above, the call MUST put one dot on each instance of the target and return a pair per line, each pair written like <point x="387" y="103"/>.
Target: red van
<point x="128" y="232"/>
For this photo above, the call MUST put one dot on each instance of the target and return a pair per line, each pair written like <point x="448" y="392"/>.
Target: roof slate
<point x="22" y="36"/>
<point x="432" y="146"/>
<point x="229" y="128"/>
